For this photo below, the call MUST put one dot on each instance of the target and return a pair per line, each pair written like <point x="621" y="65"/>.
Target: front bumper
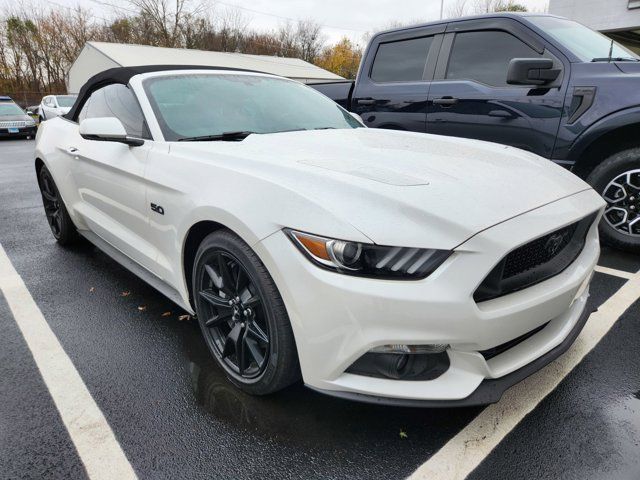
<point x="338" y="318"/>
<point x="489" y="391"/>
<point x="21" y="132"/>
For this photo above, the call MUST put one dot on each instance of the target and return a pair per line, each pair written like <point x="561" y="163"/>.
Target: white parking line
<point x="464" y="452"/>
<point x="615" y="272"/>
<point x="94" y="440"/>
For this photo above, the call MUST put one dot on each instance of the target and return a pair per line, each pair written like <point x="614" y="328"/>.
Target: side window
<point x="116" y="101"/>
<point x="85" y="108"/>
<point x="47" y="101"/>
<point x="484" y="56"/>
<point x="401" y="61"/>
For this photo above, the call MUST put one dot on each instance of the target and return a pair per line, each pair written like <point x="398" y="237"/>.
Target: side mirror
<point x="357" y="117"/>
<point x="531" y="71"/>
<point x="107" y="129"/>
<point x="30" y="112"/>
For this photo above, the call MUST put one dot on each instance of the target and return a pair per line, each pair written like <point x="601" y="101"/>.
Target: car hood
<point x="15" y="118"/>
<point x="629" y="67"/>
<point x="398" y="188"/>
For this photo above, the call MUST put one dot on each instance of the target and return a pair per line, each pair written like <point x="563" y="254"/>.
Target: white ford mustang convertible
<point x="381" y="266"/>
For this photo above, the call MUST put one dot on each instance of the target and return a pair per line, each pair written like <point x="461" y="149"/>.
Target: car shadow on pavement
<point x="300" y="417"/>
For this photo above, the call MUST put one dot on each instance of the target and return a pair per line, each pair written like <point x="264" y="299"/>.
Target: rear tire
<point x="615" y="179"/>
<point x="242" y="316"/>
<point x="62" y="227"/>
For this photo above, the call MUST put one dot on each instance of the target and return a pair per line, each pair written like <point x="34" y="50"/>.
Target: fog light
<point x="410" y="349"/>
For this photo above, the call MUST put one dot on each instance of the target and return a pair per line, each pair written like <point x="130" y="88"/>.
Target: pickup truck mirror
<point x="531" y="71"/>
<point x="107" y="129"/>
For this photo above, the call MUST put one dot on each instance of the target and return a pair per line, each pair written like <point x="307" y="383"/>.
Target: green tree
<point x="510" y="6"/>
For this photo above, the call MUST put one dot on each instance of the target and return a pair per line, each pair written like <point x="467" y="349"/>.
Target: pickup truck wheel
<point x="617" y="179"/>
<point x="62" y="227"/>
<point x="242" y="316"/>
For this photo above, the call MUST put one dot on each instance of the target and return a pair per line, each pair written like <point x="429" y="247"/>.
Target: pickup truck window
<point x="484" y="56"/>
<point x="582" y="41"/>
<point x="401" y="61"/>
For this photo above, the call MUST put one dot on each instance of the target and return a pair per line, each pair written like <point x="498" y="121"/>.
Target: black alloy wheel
<point x="51" y="202"/>
<point x="242" y="316"/>
<point x="62" y="227"/>
<point x="622" y="195"/>
<point x="617" y="179"/>
<point x="234" y="316"/>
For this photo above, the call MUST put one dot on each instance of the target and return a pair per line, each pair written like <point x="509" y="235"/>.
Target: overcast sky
<point x="338" y="17"/>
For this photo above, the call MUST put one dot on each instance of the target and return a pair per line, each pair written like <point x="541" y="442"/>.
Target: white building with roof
<point x="96" y="57"/>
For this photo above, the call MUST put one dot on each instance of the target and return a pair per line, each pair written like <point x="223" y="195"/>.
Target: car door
<point x="110" y="176"/>
<point x="469" y="96"/>
<point x="393" y="85"/>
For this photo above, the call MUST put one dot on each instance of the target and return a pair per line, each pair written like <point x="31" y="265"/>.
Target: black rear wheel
<point x="62" y="227"/>
<point x="242" y="315"/>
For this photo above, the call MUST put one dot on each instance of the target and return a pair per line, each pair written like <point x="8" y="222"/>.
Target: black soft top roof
<point x="122" y="75"/>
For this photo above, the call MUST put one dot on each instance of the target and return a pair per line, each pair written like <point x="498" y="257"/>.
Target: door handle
<point x="72" y="150"/>
<point x="445" y="102"/>
<point x="365" y="101"/>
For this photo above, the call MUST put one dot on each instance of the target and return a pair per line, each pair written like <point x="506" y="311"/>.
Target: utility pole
<point x="441" y="8"/>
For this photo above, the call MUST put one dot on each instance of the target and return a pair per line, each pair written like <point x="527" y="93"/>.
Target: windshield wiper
<point x="228" y="136"/>
<point x="615" y="59"/>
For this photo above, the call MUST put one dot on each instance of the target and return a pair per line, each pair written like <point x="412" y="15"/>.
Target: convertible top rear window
<point x="193" y="105"/>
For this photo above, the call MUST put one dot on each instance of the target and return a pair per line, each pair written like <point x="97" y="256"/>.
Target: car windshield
<point x="197" y="105"/>
<point x="10" y="109"/>
<point x="585" y="43"/>
<point x="65" y="101"/>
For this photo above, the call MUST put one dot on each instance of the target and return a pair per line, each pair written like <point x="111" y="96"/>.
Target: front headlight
<point x="354" y="258"/>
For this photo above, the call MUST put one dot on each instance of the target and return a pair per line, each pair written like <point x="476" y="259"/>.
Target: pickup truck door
<point x="110" y="177"/>
<point x="393" y="83"/>
<point x="469" y="96"/>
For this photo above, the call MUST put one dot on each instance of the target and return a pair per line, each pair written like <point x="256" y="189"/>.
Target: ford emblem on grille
<point x="554" y="243"/>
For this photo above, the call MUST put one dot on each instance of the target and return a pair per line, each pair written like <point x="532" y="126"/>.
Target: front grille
<point x="17" y="124"/>
<point x="534" y="254"/>
<point x="535" y="261"/>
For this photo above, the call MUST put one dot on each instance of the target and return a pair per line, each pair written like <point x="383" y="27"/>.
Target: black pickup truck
<point x="538" y="82"/>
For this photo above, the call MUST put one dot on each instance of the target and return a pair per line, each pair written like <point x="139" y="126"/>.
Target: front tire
<point x="62" y="227"/>
<point x="242" y="316"/>
<point x="617" y="179"/>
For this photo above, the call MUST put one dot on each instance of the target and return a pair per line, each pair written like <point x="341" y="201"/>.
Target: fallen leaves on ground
<point x="125" y="294"/>
<point x="142" y="308"/>
<point x="403" y="434"/>
<point x="92" y="289"/>
<point x="166" y="314"/>
<point x="182" y="318"/>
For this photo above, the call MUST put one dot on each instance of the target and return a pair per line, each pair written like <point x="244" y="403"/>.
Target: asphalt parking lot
<point x="174" y="416"/>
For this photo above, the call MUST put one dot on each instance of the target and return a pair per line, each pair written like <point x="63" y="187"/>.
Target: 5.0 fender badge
<point x="157" y="209"/>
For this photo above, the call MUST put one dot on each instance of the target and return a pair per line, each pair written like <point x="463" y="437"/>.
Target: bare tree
<point x="309" y="39"/>
<point x="231" y="26"/>
<point x="458" y="9"/>
<point x="37" y="45"/>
